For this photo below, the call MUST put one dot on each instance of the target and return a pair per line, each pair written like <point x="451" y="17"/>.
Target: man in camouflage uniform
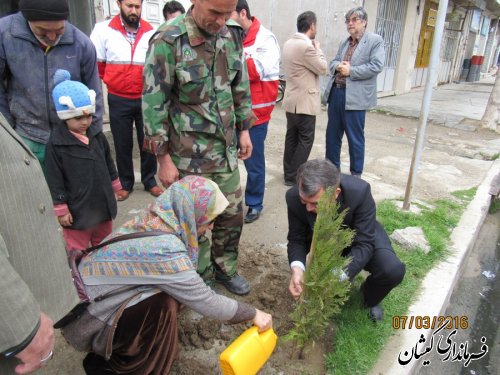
<point x="196" y="104"/>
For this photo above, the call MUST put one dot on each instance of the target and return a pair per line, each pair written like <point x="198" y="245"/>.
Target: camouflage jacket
<point x="196" y="95"/>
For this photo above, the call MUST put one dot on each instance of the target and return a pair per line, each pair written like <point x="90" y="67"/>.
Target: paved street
<point x="477" y="297"/>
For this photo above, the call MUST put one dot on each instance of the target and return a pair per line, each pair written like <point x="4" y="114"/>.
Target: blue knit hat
<point x="71" y="98"/>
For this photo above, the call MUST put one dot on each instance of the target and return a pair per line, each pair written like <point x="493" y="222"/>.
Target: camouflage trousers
<point x="221" y="256"/>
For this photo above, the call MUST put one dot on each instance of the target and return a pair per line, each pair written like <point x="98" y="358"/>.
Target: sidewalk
<point x="456" y="105"/>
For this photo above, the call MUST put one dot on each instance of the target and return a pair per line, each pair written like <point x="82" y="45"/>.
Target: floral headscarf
<point x="187" y="204"/>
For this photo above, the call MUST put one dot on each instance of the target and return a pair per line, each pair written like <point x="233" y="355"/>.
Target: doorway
<point x="389" y="25"/>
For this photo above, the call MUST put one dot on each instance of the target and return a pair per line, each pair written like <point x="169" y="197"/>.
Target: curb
<point x="447" y="120"/>
<point x="439" y="283"/>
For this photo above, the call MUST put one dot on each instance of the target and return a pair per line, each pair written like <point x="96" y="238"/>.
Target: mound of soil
<point x="203" y="340"/>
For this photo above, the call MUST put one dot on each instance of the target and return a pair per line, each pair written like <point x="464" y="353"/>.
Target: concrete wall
<point x="281" y="18"/>
<point x="99" y="10"/>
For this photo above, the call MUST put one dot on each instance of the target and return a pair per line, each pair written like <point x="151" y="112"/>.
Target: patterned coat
<point x="196" y="95"/>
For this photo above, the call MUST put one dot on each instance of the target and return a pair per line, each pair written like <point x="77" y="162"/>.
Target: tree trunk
<point x="492" y="113"/>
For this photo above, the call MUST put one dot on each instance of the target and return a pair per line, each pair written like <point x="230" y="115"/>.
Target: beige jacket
<point x="33" y="267"/>
<point x="303" y="64"/>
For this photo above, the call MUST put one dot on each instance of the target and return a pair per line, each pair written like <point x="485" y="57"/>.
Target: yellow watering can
<point x="248" y="353"/>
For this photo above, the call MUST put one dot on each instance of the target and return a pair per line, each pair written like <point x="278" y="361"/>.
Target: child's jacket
<point x="81" y="176"/>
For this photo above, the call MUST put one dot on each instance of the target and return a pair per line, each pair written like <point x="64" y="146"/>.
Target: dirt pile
<point x="202" y="339"/>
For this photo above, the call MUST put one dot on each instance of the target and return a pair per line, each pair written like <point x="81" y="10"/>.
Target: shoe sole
<point x="235" y="293"/>
<point x="232" y="291"/>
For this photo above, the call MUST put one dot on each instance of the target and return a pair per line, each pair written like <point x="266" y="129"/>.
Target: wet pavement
<point x="456" y="105"/>
<point x="477" y="298"/>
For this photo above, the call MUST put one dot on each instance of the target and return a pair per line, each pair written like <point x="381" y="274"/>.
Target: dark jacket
<point x="28" y="74"/>
<point x="361" y="217"/>
<point x="81" y="176"/>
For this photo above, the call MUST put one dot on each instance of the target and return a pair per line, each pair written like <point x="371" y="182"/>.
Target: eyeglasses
<point x="353" y="20"/>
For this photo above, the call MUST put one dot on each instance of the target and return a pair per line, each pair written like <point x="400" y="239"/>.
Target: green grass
<point x="466" y="195"/>
<point x="358" y="341"/>
<point x="494" y="206"/>
<point x="495" y="156"/>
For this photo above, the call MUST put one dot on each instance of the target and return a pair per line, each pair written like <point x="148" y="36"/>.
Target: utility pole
<point x="426" y="101"/>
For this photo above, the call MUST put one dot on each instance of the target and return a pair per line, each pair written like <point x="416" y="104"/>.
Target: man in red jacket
<point x="263" y="59"/>
<point x="121" y="44"/>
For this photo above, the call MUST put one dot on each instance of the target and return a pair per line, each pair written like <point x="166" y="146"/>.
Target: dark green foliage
<point x="494" y="206"/>
<point x="324" y="293"/>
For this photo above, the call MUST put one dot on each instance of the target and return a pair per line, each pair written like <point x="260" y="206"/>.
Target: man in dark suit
<point x="371" y="248"/>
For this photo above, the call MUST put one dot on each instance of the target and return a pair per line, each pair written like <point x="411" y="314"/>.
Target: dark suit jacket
<point x="361" y="217"/>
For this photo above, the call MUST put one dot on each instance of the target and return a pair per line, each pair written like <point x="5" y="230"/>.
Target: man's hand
<point x="167" y="171"/>
<point x="263" y="320"/>
<point x="246" y="147"/>
<point x="296" y="286"/>
<point x="65" y="220"/>
<point x="315" y="43"/>
<point x="344" y="68"/>
<point x="340" y="274"/>
<point x="39" y="348"/>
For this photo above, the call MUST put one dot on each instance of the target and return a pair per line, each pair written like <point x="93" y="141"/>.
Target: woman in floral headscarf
<point x="135" y="285"/>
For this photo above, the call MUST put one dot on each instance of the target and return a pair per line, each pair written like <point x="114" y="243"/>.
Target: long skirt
<point x="145" y="340"/>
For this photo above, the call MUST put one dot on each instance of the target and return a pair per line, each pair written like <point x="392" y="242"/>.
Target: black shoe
<point x="289" y="182"/>
<point x="376" y="313"/>
<point x="252" y="215"/>
<point x="236" y="285"/>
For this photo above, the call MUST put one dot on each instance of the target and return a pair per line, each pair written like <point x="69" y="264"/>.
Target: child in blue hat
<point x="81" y="174"/>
